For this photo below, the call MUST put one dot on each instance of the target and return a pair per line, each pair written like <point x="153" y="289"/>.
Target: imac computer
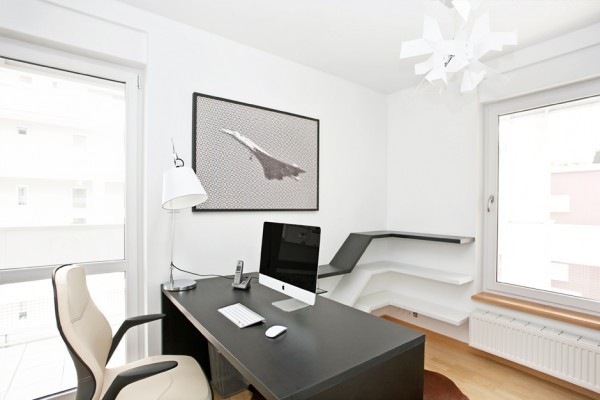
<point x="289" y="261"/>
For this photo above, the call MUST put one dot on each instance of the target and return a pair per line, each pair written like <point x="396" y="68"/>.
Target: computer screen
<point x="289" y="260"/>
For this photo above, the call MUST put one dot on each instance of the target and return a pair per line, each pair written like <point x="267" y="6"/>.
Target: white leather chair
<point x="88" y="337"/>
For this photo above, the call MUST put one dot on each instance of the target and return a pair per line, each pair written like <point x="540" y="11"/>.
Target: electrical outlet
<point x="416" y="315"/>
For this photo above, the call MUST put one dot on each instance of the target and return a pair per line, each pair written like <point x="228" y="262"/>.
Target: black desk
<point x="330" y="351"/>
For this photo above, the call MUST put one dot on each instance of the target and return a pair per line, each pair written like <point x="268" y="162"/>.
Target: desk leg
<point x="180" y="337"/>
<point x="226" y="379"/>
<point x="400" y="378"/>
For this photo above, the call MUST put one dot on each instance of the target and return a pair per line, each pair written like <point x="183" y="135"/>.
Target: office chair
<point x="88" y="337"/>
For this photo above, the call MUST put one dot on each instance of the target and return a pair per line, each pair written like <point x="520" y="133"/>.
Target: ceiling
<point x="359" y="40"/>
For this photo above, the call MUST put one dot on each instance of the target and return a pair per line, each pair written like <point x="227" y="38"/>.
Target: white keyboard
<point x="241" y="315"/>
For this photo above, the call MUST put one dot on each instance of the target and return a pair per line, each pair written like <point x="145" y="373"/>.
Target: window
<point x="79" y="198"/>
<point x="543" y="181"/>
<point x="50" y="165"/>
<point x="79" y="160"/>
<point x="22" y="195"/>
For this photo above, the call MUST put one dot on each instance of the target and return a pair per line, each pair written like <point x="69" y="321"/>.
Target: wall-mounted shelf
<point x="351" y="286"/>
<point x="384" y="298"/>
<point x="355" y="245"/>
<point x="349" y="289"/>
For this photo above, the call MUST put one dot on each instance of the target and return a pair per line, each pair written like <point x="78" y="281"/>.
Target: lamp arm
<point x="172" y="245"/>
<point x="176" y="158"/>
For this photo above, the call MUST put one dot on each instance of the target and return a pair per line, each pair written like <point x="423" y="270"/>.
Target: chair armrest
<point x="129" y="323"/>
<point x="135" y="374"/>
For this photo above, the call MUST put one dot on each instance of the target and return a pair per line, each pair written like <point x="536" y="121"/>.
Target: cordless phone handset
<point x="237" y="279"/>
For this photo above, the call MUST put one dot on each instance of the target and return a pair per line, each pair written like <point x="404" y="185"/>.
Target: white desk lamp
<point x="181" y="189"/>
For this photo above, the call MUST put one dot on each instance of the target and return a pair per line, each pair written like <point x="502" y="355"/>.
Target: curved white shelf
<point x="384" y="298"/>
<point x="351" y="285"/>
<point x="421" y="272"/>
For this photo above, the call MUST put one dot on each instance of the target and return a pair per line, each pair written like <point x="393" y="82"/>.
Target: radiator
<point x="567" y="356"/>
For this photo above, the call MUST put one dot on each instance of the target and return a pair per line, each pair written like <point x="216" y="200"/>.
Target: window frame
<point x="492" y="112"/>
<point x="132" y="263"/>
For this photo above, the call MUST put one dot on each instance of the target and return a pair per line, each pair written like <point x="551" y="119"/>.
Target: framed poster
<point x="252" y="158"/>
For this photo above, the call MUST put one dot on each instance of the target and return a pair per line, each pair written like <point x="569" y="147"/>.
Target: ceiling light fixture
<point x="461" y="54"/>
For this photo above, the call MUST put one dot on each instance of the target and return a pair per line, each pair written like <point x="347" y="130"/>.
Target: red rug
<point x="438" y="387"/>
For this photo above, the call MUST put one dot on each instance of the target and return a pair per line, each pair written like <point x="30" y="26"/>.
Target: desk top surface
<point x="323" y="345"/>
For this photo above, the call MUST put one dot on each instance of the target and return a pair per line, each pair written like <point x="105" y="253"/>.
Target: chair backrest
<point x="83" y="327"/>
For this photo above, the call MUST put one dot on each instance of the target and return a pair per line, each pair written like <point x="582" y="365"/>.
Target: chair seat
<point x="186" y="381"/>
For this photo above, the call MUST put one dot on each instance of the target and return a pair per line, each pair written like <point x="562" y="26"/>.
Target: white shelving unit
<point x="356" y="277"/>
<point x="384" y="298"/>
<point x="349" y="290"/>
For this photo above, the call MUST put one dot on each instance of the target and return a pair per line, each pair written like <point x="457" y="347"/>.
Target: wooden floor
<point x="479" y="377"/>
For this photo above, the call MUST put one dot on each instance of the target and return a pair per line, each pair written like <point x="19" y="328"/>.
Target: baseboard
<point x="465" y="347"/>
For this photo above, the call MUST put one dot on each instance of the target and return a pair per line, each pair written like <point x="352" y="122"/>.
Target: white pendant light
<point x="460" y="54"/>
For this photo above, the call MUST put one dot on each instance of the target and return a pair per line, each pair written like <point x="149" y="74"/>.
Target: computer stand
<point x="290" y="305"/>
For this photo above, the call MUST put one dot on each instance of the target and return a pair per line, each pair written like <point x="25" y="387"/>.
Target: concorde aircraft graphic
<point x="273" y="168"/>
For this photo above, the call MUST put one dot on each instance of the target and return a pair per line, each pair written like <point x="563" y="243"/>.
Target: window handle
<point x="490" y="202"/>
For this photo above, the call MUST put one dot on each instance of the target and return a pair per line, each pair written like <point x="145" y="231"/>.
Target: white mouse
<point x="275" y="331"/>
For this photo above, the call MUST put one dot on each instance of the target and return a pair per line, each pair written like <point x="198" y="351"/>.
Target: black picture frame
<point x="254" y="158"/>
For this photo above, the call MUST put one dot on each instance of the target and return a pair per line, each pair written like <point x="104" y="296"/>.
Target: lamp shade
<point x="182" y="189"/>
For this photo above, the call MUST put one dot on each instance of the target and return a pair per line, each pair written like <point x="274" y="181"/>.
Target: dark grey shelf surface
<point x="355" y="245"/>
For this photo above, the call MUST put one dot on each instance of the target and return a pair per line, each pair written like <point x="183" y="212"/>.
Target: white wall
<point x="352" y="139"/>
<point x="435" y="167"/>
<point x="432" y="188"/>
<point x="177" y="61"/>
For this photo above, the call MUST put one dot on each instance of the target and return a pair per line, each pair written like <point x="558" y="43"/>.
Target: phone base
<point x="243" y="285"/>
